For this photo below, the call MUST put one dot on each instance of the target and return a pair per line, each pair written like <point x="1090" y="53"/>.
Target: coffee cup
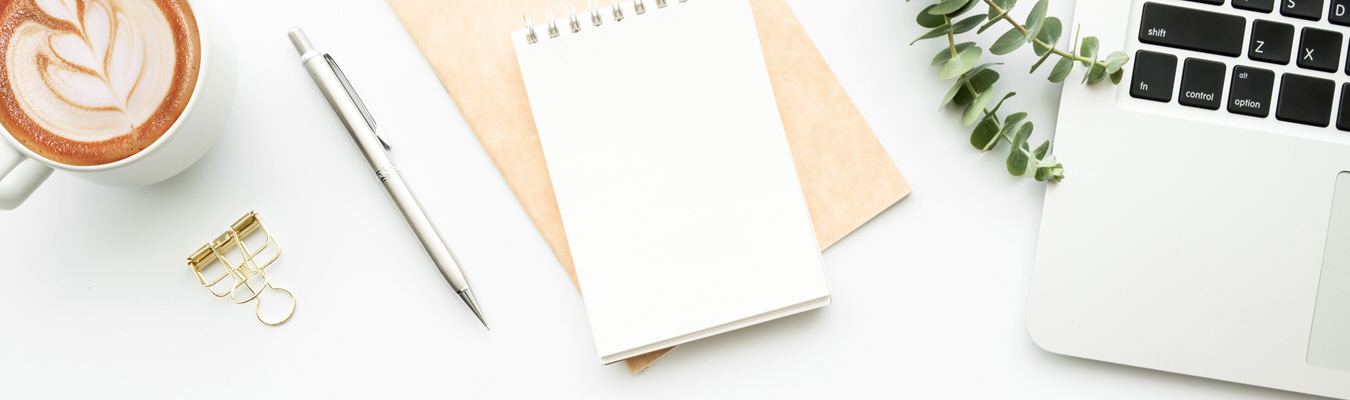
<point x="58" y="120"/>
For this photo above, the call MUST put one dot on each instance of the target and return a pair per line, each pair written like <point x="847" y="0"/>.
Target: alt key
<point x="1249" y="91"/>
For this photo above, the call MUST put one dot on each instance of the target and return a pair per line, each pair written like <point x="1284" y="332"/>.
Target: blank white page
<point x="672" y="171"/>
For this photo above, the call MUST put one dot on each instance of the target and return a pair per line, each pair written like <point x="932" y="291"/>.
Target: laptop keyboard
<point x="1307" y="95"/>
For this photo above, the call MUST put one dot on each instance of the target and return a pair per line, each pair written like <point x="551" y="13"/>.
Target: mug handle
<point x="18" y="178"/>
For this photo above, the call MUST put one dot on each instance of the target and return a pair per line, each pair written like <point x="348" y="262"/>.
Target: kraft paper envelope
<point x="846" y="176"/>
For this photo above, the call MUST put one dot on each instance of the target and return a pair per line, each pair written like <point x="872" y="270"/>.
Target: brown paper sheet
<point x="846" y="176"/>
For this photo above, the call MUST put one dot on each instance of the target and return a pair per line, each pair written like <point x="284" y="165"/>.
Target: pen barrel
<point x="347" y="111"/>
<point x="422" y="227"/>
<point x="350" y="115"/>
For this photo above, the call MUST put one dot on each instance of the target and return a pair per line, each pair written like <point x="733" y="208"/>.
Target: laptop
<point x="1204" y="224"/>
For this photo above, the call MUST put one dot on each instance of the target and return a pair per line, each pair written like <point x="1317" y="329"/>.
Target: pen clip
<point x="360" y="106"/>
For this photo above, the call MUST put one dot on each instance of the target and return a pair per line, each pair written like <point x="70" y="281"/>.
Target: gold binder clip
<point x="247" y="271"/>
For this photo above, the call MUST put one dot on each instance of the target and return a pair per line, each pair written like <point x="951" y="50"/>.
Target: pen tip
<point x="469" y="300"/>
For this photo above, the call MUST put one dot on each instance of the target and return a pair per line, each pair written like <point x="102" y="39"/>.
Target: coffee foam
<point x="87" y="84"/>
<point x="94" y="81"/>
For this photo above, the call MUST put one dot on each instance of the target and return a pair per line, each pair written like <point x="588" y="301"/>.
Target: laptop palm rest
<point x="1329" y="344"/>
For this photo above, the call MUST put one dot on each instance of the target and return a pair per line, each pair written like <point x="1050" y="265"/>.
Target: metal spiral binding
<point x="552" y="23"/>
<point x="572" y="10"/>
<point x="530" y="37"/>
<point x="595" y="13"/>
<point x="639" y="8"/>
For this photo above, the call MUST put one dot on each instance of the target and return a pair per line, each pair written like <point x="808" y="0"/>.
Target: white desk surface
<point x="928" y="298"/>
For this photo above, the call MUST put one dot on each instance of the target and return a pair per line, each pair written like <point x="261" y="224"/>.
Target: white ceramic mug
<point x="22" y="170"/>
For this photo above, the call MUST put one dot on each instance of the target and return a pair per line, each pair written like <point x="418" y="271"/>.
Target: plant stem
<point x="1038" y="42"/>
<point x="951" y="39"/>
<point x="951" y="44"/>
<point x="990" y="114"/>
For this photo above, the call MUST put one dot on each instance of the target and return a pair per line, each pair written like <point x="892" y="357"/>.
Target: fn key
<point x="1154" y="74"/>
<point x="1249" y="92"/>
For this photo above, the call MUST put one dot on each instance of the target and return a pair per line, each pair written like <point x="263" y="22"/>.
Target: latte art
<point x="85" y="84"/>
<point x="96" y="81"/>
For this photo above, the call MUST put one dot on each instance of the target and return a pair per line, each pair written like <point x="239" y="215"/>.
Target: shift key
<point x="1191" y="29"/>
<point x="1249" y="92"/>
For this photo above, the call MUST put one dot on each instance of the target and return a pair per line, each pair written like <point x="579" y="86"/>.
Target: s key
<point x="1306" y="9"/>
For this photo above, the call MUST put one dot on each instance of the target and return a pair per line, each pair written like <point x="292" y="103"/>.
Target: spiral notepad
<point x="682" y="207"/>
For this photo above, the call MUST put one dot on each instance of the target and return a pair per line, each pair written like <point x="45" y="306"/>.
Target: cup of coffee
<point x="117" y="92"/>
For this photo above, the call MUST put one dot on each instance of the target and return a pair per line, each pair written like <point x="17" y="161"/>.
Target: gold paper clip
<point x="248" y="273"/>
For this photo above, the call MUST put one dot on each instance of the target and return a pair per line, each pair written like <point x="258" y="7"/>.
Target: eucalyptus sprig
<point x="973" y="88"/>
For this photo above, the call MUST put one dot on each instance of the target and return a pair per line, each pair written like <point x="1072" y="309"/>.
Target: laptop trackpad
<point x="1329" y="345"/>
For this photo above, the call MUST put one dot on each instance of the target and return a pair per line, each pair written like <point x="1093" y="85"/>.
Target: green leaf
<point x="1061" y="70"/>
<point x="1000" y="102"/>
<point x="1036" y="19"/>
<point x="1011" y="40"/>
<point x="951" y="94"/>
<point x="1115" y="76"/>
<point x="948" y="7"/>
<point x="938" y="31"/>
<point x="981" y="81"/>
<point x="1002" y="10"/>
<point x="963" y="62"/>
<point x="1011" y="121"/>
<point x="1088" y="50"/>
<point x="980" y="68"/>
<point x="967" y="24"/>
<point x="1049" y="35"/>
<point x="1019" y="159"/>
<point x="987" y="25"/>
<point x="1020" y="140"/>
<point x="1041" y="150"/>
<point x="1089" y="73"/>
<point x="1040" y="61"/>
<point x="1053" y="173"/>
<point x="969" y="6"/>
<point x="928" y="20"/>
<point x="1097" y="73"/>
<point x="1116" y="60"/>
<point x="1010" y="124"/>
<point x="946" y="53"/>
<point x="985" y="135"/>
<point x="976" y="108"/>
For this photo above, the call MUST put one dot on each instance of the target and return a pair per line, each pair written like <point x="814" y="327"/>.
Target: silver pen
<point x="354" y="115"/>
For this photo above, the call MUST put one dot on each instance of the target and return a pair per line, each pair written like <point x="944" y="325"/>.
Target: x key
<point x="1319" y="49"/>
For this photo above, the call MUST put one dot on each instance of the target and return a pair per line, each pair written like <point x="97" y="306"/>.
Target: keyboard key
<point x="1271" y="42"/>
<point x="1202" y="84"/>
<point x="1192" y="29"/>
<point x="1264" y="6"/>
<point x="1153" y="76"/>
<point x="1319" y="50"/>
<point x="1340" y="12"/>
<point x="1306" y="9"/>
<point x="1249" y="93"/>
<point x="1305" y="100"/>
<point x="1343" y="117"/>
<point x="1214" y="2"/>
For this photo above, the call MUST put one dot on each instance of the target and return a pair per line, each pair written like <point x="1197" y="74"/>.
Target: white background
<point x="929" y="298"/>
